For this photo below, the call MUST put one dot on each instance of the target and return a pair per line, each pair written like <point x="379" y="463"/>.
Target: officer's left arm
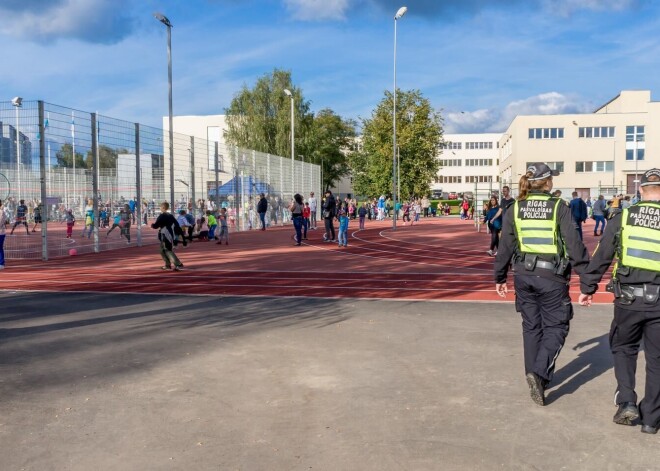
<point x="577" y="252"/>
<point x="602" y="257"/>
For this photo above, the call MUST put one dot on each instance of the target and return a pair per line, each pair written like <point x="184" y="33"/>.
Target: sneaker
<point x="626" y="414"/>
<point x="490" y="252"/>
<point x="536" y="389"/>
<point x="649" y="429"/>
<point x="178" y="268"/>
<point x="165" y="268"/>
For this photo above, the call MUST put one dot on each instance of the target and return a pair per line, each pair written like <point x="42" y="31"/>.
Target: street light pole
<point x="402" y="11"/>
<point x="293" y="133"/>
<point x="163" y="19"/>
<point x="18" y="103"/>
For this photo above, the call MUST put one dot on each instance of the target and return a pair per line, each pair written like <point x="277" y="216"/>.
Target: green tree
<point x="64" y="157"/>
<point x="330" y="141"/>
<point x="107" y="157"/>
<point x="260" y="118"/>
<point x="419" y="132"/>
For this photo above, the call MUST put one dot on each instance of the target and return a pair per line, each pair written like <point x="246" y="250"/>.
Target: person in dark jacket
<point x="262" y="208"/>
<point x="579" y="212"/>
<point x="540" y="242"/>
<point x="632" y="236"/>
<point x="329" y="211"/>
<point x="168" y="234"/>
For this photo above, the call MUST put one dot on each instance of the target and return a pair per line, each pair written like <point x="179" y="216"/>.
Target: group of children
<point x="206" y="227"/>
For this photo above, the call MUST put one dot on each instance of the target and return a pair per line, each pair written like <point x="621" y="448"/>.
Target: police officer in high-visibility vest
<point x="633" y="237"/>
<point x="541" y="244"/>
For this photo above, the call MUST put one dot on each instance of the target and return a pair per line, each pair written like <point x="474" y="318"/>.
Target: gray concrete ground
<point x="133" y="382"/>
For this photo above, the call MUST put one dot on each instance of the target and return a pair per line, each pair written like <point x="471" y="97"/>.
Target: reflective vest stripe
<point x="645" y="239"/>
<point x="549" y="229"/>
<point x="646" y="254"/>
<point x="537" y="240"/>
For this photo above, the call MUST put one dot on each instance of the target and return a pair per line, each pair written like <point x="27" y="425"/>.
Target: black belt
<point x="546" y="265"/>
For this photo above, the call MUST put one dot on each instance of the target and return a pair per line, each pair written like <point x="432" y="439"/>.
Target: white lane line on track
<point x="441" y="249"/>
<point x="206" y="285"/>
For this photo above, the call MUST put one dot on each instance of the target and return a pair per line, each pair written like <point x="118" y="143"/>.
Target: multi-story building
<point x="468" y="162"/>
<point x="603" y="152"/>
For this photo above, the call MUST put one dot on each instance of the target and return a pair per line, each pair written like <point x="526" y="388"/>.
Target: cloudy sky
<point x="480" y="62"/>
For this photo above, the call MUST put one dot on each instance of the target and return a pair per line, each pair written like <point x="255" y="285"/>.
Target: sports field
<point x="437" y="259"/>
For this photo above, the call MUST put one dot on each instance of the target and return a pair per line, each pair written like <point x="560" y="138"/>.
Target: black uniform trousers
<point x="546" y="310"/>
<point x="628" y="329"/>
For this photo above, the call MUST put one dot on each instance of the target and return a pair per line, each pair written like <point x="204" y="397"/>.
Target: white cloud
<point x="497" y="120"/>
<point x="97" y="21"/>
<point x="567" y="7"/>
<point x="317" y="10"/>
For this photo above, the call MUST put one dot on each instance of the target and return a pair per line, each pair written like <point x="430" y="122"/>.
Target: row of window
<point x="633" y="133"/>
<point x="635" y="154"/>
<point x="596" y="132"/>
<point x="478" y="162"/>
<point x="451" y="145"/>
<point x="480" y="179"/>
<point x="451" y="163"/>
<point x="443" y="179"/>
<point x="546" y="133"/>
<point x="479" y="145"/>
<point x="558" y="166"/>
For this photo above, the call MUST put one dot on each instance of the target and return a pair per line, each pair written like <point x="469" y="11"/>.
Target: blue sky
<point x="480" y="62"/>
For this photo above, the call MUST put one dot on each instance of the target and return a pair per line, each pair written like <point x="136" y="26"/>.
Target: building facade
<point x="603" y="152"/>
<point x="469" y="163"/>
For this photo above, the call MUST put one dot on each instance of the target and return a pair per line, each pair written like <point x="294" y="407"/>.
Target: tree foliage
<point x="107" y="157"/>
<point x="330" y="141"/>
<point x="260" y="118"/>
<point x="419" y="132"/>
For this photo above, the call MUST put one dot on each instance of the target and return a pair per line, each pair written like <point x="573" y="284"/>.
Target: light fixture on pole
<point x="288" y="93"/>
<point x="402" y="11"/>
<point x="163" y="19"/>
<point x="18" y="103"/>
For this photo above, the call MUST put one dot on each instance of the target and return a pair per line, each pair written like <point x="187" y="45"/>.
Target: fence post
<point x="138" y="185"/>
<point x="95" y="181"/>
<point x="42" y="180"/>
<point x="192" y="175"/>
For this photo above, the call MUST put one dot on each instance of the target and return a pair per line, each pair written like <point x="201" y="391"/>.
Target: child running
<point x="343" y="229"/>
<point x="168" y="233"/>
<point x="224" y="228"/>
<point x="70" y="222"/>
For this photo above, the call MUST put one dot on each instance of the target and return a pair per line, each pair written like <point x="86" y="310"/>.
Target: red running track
<point x="442" y="259"/>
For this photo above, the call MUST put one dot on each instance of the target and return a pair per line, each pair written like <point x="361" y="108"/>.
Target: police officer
<point x="633" y="236"/>
<point x="540" y="242"/>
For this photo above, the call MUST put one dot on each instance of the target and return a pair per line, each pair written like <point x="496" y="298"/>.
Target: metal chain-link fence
<point x="90" y="183"/>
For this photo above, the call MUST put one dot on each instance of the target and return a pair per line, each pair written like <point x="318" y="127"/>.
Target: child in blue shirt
<point x="343" y="228"/>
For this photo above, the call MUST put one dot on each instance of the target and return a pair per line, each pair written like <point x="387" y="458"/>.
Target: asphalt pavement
<point x="152" y="382"/>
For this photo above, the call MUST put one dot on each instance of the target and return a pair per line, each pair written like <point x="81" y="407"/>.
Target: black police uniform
<point x="636" y="317"/>
<point x="541" y="284"/>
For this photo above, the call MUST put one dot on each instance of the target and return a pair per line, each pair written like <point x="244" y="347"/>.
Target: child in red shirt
<point x="306" y="214"/>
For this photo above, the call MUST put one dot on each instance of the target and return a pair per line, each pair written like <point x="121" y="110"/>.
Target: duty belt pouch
<point x="530" y="262"/>
<point x="651" y="293"/>
<point x="627" y="295"/>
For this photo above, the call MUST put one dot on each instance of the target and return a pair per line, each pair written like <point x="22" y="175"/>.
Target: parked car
<point x="452" y="196"/>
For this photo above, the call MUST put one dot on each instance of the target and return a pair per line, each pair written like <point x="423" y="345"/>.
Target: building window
<point x="478" y="145"/>
<point x="451" y="145"/>
<point x="634" y="133"/>
<point x="599" y="166"/>
<point x="596" y="132"/>
<point x="546" y="133"/>
<point x="444" y="179"/>
<point x="478" y="162"/>
<point x="451" y="163"/>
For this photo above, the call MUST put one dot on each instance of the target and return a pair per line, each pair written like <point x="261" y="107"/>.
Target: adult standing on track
<point x="3" y="224"/>
<point x="262" y="208"/>
<point x="540" y="241"/>
<point x="329" y="209"/>
<point x="313" y="206"/>
<point x="168" y="232"/>
<point x="579" y="212"/>
<point x="296" y="208"/>
<point x="598" y="211"/>
<point x="633" y="236"/>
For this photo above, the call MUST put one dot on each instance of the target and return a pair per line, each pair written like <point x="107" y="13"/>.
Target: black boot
<point x="626" y="414"/>
<point x="536" y="388"/>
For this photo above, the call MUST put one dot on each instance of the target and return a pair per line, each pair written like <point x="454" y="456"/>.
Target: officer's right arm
<point x="601" y="258"/>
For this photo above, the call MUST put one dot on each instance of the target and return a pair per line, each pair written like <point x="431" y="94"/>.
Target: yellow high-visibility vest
<point x="640" y="236"/>
<point x="535" y="221"/>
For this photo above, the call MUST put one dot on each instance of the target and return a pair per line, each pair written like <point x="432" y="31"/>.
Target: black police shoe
<point x="649" y="429"/>
<point x="626" y="414"/>
<point x="536" y="388"/>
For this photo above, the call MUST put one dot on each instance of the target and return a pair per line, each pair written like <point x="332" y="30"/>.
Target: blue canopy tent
<point x="247" y="185"/>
